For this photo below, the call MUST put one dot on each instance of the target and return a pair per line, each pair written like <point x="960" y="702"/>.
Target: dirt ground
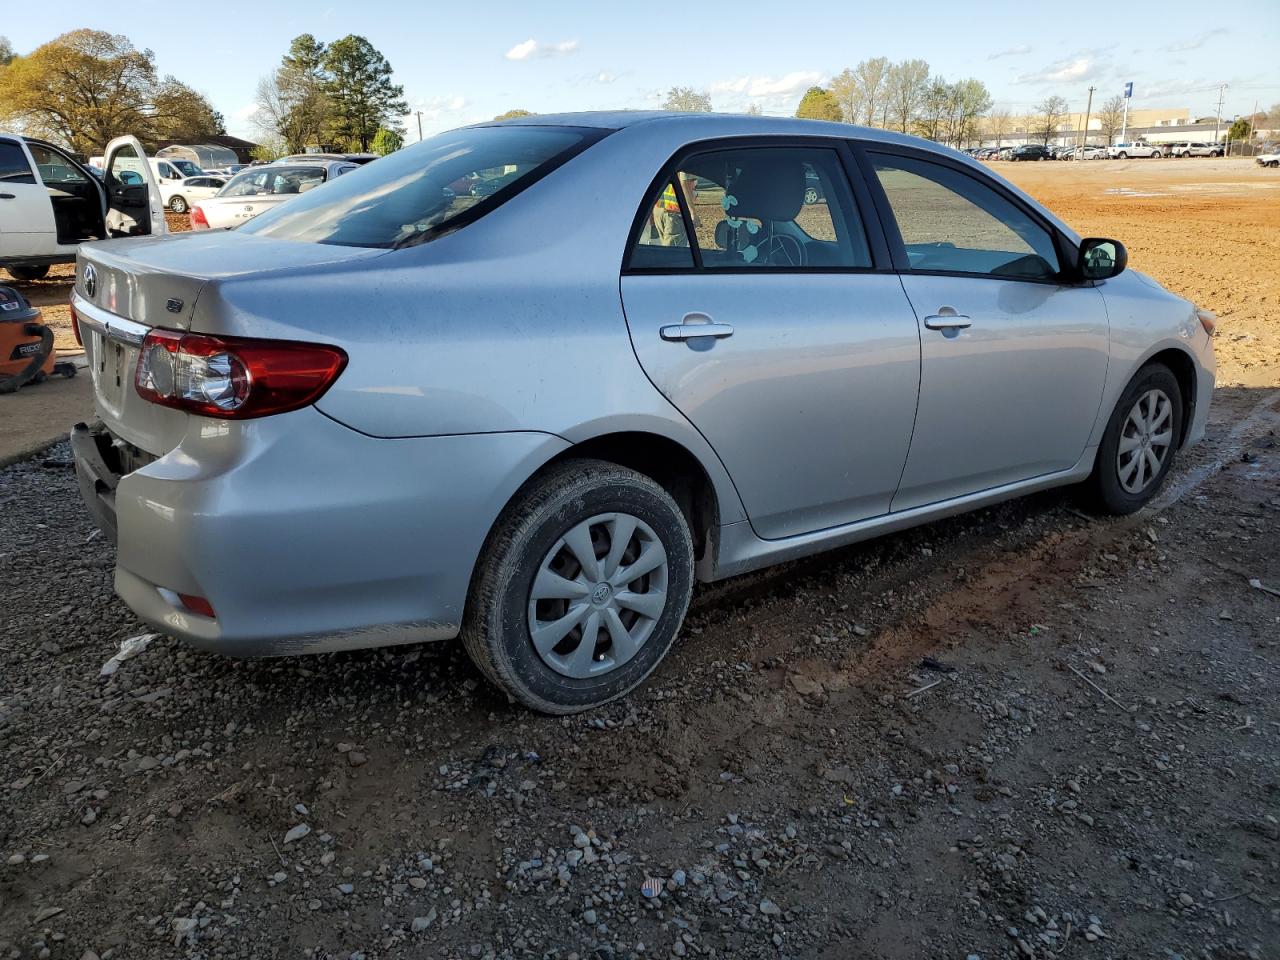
<point x="1025" y="732"/>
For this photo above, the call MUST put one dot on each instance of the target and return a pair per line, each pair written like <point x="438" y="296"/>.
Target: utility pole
<point x="1084" y="136"/>
<point x="419" y="113"/>
<point x="1222" y="90"/>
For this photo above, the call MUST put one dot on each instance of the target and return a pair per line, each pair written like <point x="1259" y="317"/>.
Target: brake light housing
<point x="198" y="220"/>
<point x="233" y="378"/>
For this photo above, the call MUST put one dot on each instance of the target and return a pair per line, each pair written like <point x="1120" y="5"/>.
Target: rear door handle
<point x="7" y="196"/>
<point x="690" y="331"/>
<point x="947" y="319"/>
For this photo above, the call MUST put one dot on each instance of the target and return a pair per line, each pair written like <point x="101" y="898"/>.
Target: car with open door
<point x="388" y="412"/>
<point x="50" y="203"/>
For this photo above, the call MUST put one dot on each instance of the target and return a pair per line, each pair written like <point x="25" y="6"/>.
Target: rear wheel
<point x="1139" y="444"/>
<point x="178" y="204"/>
<point x="27" y="274"/>
<point x="581" y="589"/>
<point x="1122" y="155"/>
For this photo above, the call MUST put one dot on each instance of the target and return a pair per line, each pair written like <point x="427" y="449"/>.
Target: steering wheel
<point x="780" y="250"/>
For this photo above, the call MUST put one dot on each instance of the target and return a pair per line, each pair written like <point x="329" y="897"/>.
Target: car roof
<point x="708" y="124"/>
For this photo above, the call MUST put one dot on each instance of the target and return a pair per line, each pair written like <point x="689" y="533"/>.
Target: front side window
<point x="753" y="208"/>
<point x="54" y="167"/>
<point x="13" y="164"/>
<point x="426" y="189"/>
<point x="953" y="223"/>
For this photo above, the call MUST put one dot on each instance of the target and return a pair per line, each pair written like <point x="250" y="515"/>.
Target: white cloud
<point x="529" y="49"/>
<point x="245" y="112"/>
<point x="604" y="76"/>
<point x="771" y="94"/>
<point x="438" y="113"/>
<point x="1194" y="43"/>
<point x="1085" y="65"/>
<point x="1017" y="51"/>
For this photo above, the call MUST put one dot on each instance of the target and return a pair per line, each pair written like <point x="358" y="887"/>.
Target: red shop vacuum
<point x="26" y="344"/>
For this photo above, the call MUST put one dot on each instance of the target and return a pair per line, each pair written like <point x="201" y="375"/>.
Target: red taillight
<point x="233" y="378"/>
<point x="197" y="605"/>
<point x="198" y="220"/>
<point x="75" y="325"/>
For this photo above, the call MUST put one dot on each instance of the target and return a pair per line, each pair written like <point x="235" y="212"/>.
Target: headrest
<point x="769" y="188"/>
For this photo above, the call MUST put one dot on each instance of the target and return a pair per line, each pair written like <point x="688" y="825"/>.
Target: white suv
<point x="1137" y="148"/>
<point x="50" y="203"/>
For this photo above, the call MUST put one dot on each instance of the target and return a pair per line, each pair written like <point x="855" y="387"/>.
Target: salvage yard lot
<point x="1018" y="732"/>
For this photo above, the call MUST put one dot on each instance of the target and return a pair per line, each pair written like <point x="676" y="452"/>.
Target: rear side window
<point x="758" y="208"/>
<point x="426" y="189"/>
<point x="953" y="223"/>
<point x="13" y="164"/>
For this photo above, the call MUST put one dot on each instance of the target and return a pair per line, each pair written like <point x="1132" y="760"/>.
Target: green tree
<point x="1242" y="129"/>
<point x="293" y="106"/>
<point x="6" y="52"/>
<point x="512" y="114"/>
<point x="86" y="87"/>
<point x="80" y="89"/>
<point x="687" y="99"/>
<point x="386" y="141"/>
<point x="361" y="94"/>
<point x="180" y="113"/>
<point x="818" y="104"/>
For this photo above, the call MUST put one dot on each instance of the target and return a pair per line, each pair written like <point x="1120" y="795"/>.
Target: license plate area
<point x="112" y="370"/>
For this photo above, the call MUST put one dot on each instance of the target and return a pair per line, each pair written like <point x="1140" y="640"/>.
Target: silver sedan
<point x="526" y="382"/>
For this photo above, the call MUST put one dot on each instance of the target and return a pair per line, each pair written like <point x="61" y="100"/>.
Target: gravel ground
<point x="1018" y="733"/>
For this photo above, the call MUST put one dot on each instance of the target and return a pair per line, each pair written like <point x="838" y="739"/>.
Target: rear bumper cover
<point x="303" y="535"/>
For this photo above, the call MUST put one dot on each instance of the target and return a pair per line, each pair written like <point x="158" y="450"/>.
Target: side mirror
<point x="1101" y="259"/>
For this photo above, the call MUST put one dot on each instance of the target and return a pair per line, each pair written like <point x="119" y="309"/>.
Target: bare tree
<point x="844" y="87"/>
<point x="1110" y="117"/>
<point x="687" y="99"/>
<point x="872" y="78"/>
<point x="1049" y="113"/>
<point x="905" y="91"/>
<point x="931" y="119"/>
<point x="999" y="124"/>
<point x="753" y="110"/>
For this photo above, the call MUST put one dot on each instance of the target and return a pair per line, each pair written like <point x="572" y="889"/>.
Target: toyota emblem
<point x="90" y="279"/>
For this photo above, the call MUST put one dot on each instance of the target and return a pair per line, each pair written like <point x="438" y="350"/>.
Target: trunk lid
<point x="125" y="287"/>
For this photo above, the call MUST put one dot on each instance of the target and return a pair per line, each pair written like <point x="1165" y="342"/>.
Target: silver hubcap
<point x="598" y="595"/>
<point x="1145" y="441"/>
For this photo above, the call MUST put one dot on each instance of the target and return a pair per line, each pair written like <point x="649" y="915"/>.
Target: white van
<point x="50" y="203"/>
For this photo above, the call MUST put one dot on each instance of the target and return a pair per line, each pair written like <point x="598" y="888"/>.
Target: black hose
<point x="11" y="384"/>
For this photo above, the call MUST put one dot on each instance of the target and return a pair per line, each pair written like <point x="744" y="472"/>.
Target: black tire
<point x="1122" y="155"/>
<point x="496" y="630"/>
<point x="27" y="274"/>
<point x="1103" y="488"/>
<point x="178" y="204"/>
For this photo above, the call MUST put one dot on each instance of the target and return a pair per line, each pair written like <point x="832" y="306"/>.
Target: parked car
<point x="257" y="189"/>
<point x="183" y="194"/>
<point x="50" y="203"/>
<point x="1194" y="149"/>
<point x="1135" y="148"/>
<point x="1270" y="158"/>
<point x="1030" y="151"/>
<point x="383" y="413"/>
<point x="356" y="158"/>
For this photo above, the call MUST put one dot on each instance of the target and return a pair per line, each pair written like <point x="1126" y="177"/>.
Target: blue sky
<point x="463" y="62"/>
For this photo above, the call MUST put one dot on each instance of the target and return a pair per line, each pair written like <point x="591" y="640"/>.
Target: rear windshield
<point x="426" y="189"/>
<point x="274" y="179"/>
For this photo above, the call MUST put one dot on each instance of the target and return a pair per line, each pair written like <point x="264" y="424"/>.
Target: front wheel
<point x="178" y="204"/>
<point x="581" y="588"/>
<point x="27" y="274"/>
<point x="1139" y="444"/>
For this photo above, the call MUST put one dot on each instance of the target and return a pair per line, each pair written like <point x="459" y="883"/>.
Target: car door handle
<point x="7" y="196"/>
<point x="947" y="319"/>
<point x="690" y="331"/>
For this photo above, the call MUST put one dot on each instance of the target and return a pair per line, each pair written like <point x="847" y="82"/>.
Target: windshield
<point x="187" y="168"/>
<point x="423" y="190"/>
<point x="274" y="180"/>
